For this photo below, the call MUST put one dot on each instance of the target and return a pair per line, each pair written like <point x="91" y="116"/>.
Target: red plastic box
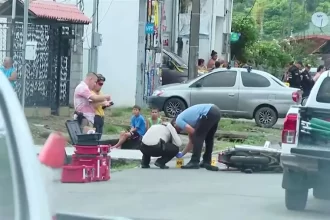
<point x="101" y="165"/>
<point x="92" y="150"/>
<point x="77" y="174"/>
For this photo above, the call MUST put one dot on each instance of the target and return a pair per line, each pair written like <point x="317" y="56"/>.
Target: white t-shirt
<point x="165" y="132"/>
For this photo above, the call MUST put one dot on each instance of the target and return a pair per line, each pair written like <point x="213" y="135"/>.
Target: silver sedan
<point x="238" y="92"/>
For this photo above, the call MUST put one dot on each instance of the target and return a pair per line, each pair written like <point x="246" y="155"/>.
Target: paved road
<point x="176" y="194"/>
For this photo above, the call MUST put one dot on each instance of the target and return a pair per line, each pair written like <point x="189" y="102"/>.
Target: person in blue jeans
<point x="8" y="69"/>
<point x="200" y="122"/>
<point x="137" y="130"/>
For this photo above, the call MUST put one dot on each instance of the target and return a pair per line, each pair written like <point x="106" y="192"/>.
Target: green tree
<point x="246" y="26"/>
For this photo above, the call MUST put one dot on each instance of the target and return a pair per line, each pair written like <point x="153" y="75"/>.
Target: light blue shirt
<point x="139" y="123"/>
<point x="191" y="115"/>
<point x="8" y="72"/>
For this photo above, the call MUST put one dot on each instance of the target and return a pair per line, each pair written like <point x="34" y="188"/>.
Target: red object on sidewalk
<point x="92" y="150"/>
<point x="77" y="174"/>
<point x="53" y="152"/>
<point x="101" y="165"/>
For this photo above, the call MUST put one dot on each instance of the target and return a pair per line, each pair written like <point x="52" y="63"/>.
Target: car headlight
<point x="157" y="93"/>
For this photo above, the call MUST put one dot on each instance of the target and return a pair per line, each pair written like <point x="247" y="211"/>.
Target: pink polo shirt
<point x="82" y="103"/>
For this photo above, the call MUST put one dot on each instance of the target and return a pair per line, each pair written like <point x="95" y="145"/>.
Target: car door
<point x="255" y="89"/>
<point x="22" y="192"/>
<point x="219" y="88"/>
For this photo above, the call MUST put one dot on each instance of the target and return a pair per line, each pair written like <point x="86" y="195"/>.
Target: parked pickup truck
<point x="305" y="154"/>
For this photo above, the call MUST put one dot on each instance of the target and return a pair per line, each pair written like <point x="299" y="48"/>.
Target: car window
<point x="220" y="79"/>
<point x="7" y="204"/>
<point x="254" y="80"/>
<point x="279" y="82"/>
<point x="323" y="95"/>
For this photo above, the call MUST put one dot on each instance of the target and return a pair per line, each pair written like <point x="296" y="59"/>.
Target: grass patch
<point x="112" y="129"/>
<point x="251" y="140"/>
<point x="242" y="126"/>
<point x="121" y="164"/>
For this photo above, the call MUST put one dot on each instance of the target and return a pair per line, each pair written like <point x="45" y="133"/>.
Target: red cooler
<point x="101" y="165"/>
<point x="77" y="174"/>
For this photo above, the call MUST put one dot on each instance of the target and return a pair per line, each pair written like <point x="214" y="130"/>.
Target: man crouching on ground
<point x="160" y="140"/>
<point x="200" y="122"/>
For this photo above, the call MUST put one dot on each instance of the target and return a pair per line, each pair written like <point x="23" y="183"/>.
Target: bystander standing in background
<point x="9" y="70"/>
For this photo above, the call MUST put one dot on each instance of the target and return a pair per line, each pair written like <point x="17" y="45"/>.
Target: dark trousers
<point x="204" y="131"/>
<point x="166" y="151"/>
<point x="98" y="124"/>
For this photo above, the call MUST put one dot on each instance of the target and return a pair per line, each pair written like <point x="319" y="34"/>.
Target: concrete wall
<point x="77" y="71"/>
<point x="117" y="58"/>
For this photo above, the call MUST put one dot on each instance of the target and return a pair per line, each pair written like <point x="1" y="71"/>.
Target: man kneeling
<point x="161" y="140"/>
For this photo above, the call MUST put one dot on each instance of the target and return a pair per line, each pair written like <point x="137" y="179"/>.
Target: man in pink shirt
<point x="84" y="99"/>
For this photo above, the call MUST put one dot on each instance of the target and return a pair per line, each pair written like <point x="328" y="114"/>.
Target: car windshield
<point x="177" y="58"/>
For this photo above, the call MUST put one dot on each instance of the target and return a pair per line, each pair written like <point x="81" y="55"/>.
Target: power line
<point x="250" y="9"/>
<point x="89" y="33"/>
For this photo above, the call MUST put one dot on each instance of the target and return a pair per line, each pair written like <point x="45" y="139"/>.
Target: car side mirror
<point x="303" y="101"/>
<point x="198" y="85"/>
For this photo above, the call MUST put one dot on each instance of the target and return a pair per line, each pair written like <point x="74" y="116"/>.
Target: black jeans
<point x="166" y="151"/>
<point x="98" y="123"/>
<point x="204" y="131"/>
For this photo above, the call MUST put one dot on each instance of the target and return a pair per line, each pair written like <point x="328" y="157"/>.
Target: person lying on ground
<point x="160" y="140"/>
<point x="137" y="130"/>
<point x="200" y="122"/>
<point x="154" y="119"/>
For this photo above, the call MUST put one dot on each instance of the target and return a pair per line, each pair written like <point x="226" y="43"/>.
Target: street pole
<point x="194" y="39"/>
<point x="229" y="23"/>
<point x="94" y="50"/>
<point x="12" y="29"/>
<point x="25" y="33"/>
<point x="290" y="17"/>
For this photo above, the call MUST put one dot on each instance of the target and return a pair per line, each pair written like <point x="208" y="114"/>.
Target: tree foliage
<point x="271" y="55"/>
<point x="249" y="34"/>
<point x="277" y="16"/>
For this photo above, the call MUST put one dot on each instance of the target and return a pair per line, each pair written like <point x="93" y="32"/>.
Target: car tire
<point x="173" y="107"/>
<point x="322" y="193"/>
<point x="296" y="200"/>
<point x="265" y="117"/>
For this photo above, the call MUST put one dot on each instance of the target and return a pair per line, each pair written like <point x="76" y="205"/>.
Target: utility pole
<point x="93" y="53"/>
<point x="290" y="17"/>
<point x="25" y="33"/>
<point x="229" y="18"/>
<point x="12" y="28"/>
<point x="194" y="39"/>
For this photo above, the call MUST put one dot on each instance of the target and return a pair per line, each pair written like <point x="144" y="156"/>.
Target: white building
<point x="122" y="54"/>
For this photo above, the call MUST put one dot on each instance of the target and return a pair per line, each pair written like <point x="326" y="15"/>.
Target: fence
<point x="47" y="77"/>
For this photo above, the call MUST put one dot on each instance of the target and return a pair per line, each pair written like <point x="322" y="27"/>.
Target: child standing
<point x="137" y="130"/>
<point x="154" y="119"/>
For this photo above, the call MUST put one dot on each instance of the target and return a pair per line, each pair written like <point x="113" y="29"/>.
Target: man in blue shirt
<point x="137" y="130"/>
<point x="8" y="69"/>
<point x="200" y="122"/>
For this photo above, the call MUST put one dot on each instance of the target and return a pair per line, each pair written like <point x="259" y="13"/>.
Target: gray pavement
<point x="177" y="194"/>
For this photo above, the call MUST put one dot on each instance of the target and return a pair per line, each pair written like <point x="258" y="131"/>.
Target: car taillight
<point x="296" y="96"/>
<point x="289" y="129"/>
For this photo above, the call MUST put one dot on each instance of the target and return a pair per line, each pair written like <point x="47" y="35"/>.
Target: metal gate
<point x="48" y="76"/>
